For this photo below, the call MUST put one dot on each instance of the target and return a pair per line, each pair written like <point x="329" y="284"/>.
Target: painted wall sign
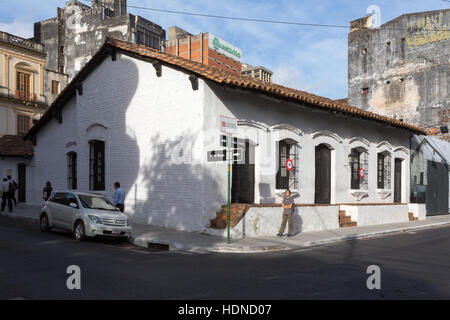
<point x="361" y="173"/>
<point x="224" y="47"/>
<point x="289" y="164"/>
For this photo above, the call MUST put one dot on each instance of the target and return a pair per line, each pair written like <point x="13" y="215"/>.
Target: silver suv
<point x="86" y="215"/>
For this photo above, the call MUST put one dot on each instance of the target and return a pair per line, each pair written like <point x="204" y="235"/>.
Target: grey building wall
<point x="78" y="31"/>
<point x="430" y="175"/>
<point x="402" y="69"/>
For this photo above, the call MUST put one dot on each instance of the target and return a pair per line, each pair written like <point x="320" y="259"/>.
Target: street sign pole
<point x="228" y="126"/>
<point x="229" y="187"/>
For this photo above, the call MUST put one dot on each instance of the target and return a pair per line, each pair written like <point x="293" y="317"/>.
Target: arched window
<point x="285" y="179"/>
<point x="359" y="164"/>
<point x="71" y="170"/>
<point x="96" y="165"/>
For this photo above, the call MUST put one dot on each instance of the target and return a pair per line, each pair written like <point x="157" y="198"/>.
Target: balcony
<point x="21" y="42"/>
<point x="25" y="96"/>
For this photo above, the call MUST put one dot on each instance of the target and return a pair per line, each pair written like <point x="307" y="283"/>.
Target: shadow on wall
<point x="171" y="190"/>
<point x="265" y="193"/>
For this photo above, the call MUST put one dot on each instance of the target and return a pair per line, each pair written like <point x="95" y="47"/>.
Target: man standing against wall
<point x="119" y="197"/>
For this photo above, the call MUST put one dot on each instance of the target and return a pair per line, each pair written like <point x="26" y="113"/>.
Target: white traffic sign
<point x="228" y="125"/>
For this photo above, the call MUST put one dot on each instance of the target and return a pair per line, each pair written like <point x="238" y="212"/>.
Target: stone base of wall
<point x="419" y="210"/>
<point x="265" y="220"/>
<point x="369" y="215"/>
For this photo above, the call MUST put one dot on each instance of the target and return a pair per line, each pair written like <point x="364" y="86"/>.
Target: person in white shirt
<point x="6" y="196"/>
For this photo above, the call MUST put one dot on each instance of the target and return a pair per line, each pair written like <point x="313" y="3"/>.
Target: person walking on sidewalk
<point x="288" y="214"/>
<point x="14" y="188"/>
<point x="47" y="191"/>
<point x="6" y="196"/>
<point x="119" y="197"/>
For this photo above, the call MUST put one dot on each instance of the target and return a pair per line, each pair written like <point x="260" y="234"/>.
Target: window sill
<point x="384" y="193"/>
<point x="359" y="194"/>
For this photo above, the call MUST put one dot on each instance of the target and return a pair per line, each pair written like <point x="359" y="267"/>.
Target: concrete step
<point x="347" y="224"/>
<point x="345" y="219"/>
<point x="411" y="217"/>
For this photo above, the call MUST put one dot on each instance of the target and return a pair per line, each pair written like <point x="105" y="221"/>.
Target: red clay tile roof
<point x="15" y="146"/>
<point x="216" y="75"/>
<point x="222" y="77"/>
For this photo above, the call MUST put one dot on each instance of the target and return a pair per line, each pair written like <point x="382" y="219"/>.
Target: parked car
<point x="86" y="215"/>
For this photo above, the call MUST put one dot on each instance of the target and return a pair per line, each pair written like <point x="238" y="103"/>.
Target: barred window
<point x="71" y="170"/>
<point x="384" y="170"/>
<point x="96" y="165"/>
<point x="359" y="159"/>
<point x="287" y="149"/>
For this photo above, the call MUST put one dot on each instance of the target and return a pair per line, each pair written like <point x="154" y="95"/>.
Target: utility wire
<point x="277" y="21"/>
<point x="204" y="15"/>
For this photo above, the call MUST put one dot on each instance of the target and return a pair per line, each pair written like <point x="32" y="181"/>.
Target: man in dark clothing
<point x="14" y="188"/>
<point x="288" y="214"/>
<point x="6" y="195"/>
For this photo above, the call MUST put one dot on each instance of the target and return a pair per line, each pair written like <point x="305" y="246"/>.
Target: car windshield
<point x="96" y="202"/>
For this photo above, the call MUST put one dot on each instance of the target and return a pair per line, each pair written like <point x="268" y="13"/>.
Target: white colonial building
<point x="151" y="121"/>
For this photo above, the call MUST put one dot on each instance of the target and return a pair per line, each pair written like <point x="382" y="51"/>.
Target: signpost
<point x="228" y="126"/>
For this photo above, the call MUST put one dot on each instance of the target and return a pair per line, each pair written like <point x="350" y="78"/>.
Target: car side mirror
<point x="73" y="205"/>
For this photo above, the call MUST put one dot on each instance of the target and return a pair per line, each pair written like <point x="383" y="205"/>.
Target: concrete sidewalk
<point x="148" y="236"/>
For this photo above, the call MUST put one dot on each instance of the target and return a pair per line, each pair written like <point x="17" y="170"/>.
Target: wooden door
<point x="323" y="174"/>
<point x="398" y="181"/>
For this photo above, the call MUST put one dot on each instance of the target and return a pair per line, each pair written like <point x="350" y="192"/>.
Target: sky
<point x="308" y="58"/>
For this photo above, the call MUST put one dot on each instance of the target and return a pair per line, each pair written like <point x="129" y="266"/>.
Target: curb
<point x="23" y="218"/>
<point x="371" y="234"/>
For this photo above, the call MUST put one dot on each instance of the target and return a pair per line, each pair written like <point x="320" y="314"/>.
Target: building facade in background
<point x="77" y="32"/>
<point x="258" y="72"/>
<point x="402" y="68"/>
<point x="204" y="48"/>
<point x="27" y="88"/>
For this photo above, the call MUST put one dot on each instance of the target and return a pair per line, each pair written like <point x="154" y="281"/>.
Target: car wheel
<point x="79" y="231"/>
<point x="44" y="224"/>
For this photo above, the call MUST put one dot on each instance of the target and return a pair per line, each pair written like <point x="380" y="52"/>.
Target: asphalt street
<point x="414" y="265"/>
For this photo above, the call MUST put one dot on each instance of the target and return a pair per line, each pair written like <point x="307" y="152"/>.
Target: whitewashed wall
<point x="266" y="221"/>
<point x="265" y="121"/>
<point x="151" y="127"/>
<point x="157" y="131"/>
<point x="377" y="214"/>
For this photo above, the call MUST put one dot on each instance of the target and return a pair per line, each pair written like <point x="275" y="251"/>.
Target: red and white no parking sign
<point x="289" y="164"/>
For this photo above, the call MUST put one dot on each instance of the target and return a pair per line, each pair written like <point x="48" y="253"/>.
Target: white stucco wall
<point x="266" y="221"/>
<point x="367" y="215"/>
<point x="265" y="121"/>
<point x="157" y="131"/>
<point x="151" y="127"/>
<point x="9" y="164"/>
<point x="419" y="210"/>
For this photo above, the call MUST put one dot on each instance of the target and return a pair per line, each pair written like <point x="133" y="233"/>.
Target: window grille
<point x="72" y="170"/>
<point x="96" y="165"/>
<point x="287" y="179"/>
